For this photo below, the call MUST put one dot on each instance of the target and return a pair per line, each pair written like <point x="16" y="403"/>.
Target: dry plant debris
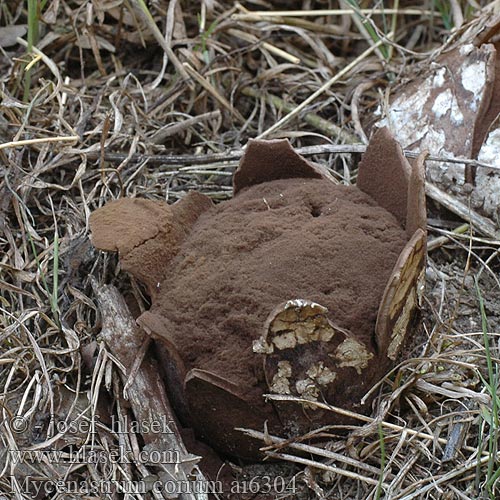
<point x="94" y="107"/>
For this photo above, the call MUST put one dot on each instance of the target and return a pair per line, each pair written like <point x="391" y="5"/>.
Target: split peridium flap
<point x="209" y="394"/>
<point x="401" y="295"/>
<point x="395" y="183"/>
<point x="147" y="234"/>
<point x="265" y="161"/>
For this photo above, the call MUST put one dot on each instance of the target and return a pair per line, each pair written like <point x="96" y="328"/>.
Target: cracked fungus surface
<point x="285" y="239"/>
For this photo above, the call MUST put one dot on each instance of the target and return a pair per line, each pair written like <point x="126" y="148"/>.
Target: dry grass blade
<point x="41" y="140"/>
<point x="321" y="90"/>
<point x="258" y="14"/>
<point x="213" y="92"/>
<point x="324" y="126"/>
<point x="313" y="450"/>
<point x="143" y="10"/>
<point x="50" y="64"/>
<point x="248" y="37"/>
<point x="324" y="467"/>
<point x="362" y="418"/>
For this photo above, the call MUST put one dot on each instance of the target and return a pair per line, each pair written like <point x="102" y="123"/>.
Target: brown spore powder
<point x="281" y="240"/>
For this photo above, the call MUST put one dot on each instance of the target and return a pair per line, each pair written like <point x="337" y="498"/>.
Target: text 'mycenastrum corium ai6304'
<point x="296" y="286"/>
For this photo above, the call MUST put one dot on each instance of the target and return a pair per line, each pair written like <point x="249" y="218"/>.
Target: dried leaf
<point x="9" y="34"/>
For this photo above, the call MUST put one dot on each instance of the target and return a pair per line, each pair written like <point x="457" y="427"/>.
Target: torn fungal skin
<point x="296" y="287"/>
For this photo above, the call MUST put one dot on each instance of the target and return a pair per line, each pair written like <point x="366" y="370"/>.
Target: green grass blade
<point x="491" y="385"/>
<point x="378" y="494"/>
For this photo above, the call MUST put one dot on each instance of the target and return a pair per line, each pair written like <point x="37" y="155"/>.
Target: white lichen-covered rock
<point x="487" y="179"/>
<point x="450" y="110"/>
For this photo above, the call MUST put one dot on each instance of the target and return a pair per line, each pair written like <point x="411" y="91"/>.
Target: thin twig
<point x="236" y="154"/>
<point x="482" y="224"/>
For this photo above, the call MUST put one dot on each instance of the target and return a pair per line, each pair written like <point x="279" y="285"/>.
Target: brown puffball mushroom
<point x="297" y="286"/>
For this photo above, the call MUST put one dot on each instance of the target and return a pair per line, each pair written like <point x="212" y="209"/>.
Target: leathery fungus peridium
<point x="297" y="286"/>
